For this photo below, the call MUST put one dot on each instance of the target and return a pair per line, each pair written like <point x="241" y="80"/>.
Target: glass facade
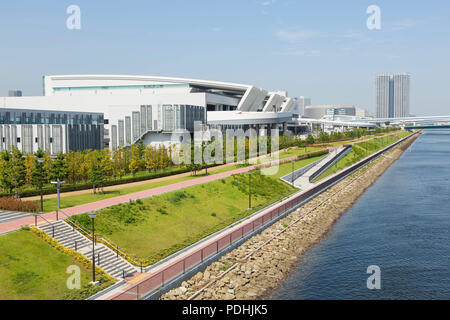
<point x="53" y="132"/>
<point x="25" y="116"/>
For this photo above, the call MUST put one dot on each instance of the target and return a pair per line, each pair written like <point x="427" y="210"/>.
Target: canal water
<point x="401" y="224"/>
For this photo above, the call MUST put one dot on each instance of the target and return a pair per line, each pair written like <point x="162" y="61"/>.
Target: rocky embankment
<point x="262" y="263"/>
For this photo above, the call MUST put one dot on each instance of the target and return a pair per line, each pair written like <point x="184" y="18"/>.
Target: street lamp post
<point x="58" y="185"/>
<point x="250" y="189"/>
<point x="40" y="160"/>
<point x="92" y="215"/>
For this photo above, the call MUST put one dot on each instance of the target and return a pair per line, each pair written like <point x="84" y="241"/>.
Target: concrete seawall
<point x="261" y="263"/>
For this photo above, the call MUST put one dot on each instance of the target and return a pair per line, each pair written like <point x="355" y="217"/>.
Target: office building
<point x="330" y="111"/>
<point x="392" y="96"/>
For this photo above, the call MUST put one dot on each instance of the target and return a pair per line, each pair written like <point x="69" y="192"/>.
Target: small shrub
<point x="213" y="214"/>
<point x="162" y="211"/>
<point x="177" y="197"/>
<point x="12" y="204"/>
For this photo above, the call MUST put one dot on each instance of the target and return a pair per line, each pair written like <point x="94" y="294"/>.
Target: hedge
<point x="13" y="204"/>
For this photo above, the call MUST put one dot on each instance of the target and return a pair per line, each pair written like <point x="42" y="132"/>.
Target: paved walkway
<point x="144" y="182"/>
<point x="93" y="206"/>
<point x="303" y="182"/>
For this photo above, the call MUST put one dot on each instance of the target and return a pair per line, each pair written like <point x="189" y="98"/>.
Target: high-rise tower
<point x="392" y="95"/>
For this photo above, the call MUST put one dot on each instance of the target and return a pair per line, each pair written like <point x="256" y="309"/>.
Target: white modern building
<point x="392" y="96"/>
<point x="151" y="108"/>
<point x="302" y="103"/>
<point x="329" y="111"/>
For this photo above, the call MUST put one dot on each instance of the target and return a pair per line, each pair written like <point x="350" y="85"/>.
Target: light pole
<point x="292" y="175"/>
<point x="58" y="184"/>
<point x="250" y="189"/>
<point x="41" y="161"/>
<point x="92" y="215"/>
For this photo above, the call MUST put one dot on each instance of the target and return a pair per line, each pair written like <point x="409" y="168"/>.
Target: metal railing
<point x="39" y="215"/>
<point x="104" y="240"/>
<point x="160" y="278"/>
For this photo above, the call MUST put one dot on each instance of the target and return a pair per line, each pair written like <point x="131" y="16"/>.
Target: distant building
<point x="392" y="95"/>
<point x="318" y="112"/>
<point x="302" y="103"/>
<point x="14" y="93"/>
<point x="361" y="113"/>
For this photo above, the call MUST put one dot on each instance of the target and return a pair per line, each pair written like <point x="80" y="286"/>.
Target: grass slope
<point x="71" y="201"/>
<point x="31" y="269"/>
<point x="153" y="228"/>
<point x="360" y="151"/>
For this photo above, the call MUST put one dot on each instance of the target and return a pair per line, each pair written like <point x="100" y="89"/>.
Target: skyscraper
<point x="392" y="95"/>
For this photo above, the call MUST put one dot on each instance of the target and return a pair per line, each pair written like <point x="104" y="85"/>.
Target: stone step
<point x="77" y="238"/>
<point x="109" y="262"/>
<point x="6" y="216"/>
<point x="60" y="232"/>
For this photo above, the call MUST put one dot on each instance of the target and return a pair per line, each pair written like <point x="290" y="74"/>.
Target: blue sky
<point x="321" y="49"/>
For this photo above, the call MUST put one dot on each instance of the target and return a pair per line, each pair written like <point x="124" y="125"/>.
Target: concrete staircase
<point x="105" y="258"/>
<point x="6" y="216"/>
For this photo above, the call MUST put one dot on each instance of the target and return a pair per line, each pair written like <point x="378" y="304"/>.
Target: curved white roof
<point x="52" y="81"/>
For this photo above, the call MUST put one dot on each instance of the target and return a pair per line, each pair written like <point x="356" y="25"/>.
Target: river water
<point x="401" y="224"/>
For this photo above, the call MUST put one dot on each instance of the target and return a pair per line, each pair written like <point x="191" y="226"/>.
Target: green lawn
<point x="360" y="151"/>
<point x="71" y="201"/>
<point x="153" y="228"/>
<point x="30" y="269"/>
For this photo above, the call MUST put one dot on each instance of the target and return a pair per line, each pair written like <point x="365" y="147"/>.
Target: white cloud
<point x="302" y="53"/>
<point x="268" y="3"/>
<point x="296" y="36"/>
<point x="402" y="24"/>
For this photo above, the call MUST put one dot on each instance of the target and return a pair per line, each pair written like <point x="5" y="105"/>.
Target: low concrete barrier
<point x="299" y="172"/>
<point x="330" y="163"/>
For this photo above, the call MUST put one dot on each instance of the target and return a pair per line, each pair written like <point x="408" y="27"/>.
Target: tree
<point x="39" y="175"/>
<point x="6" y="172"/>
<point x="73" y="160"/>
<point x="18" y="171"/>
<point x="29" y="167"/>
<point x="150" y="158"/>
<point x="310" y="139"/>
<point x="134" y="162"/>
<point x="59" y="170"/>
<point x="97" y="174"/>
<point x="118" y="169"/>
<point x="140" y="154"/>
<point x="324" y="137"/>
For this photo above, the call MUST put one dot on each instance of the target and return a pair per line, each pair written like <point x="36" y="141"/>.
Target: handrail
<point x="36" y="215"/>
<point x="101" y="238"/>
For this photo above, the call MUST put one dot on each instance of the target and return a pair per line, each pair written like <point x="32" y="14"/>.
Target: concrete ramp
<point x="305" y="181"/>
